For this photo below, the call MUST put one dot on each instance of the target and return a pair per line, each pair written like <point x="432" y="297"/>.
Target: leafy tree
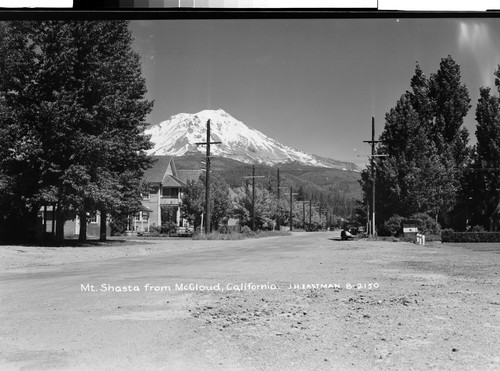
<point x="426" y="224"/>
<point x="301" y="194"/>
<point x="425" y="147"/>
<point x="193" y="202"/>
<point x="73" y="117"/>
<point x="484" y="178"/>
<point x="221" y="203"/>
<point x="450" y="102"/>
<point x="265" y="208"/>
<point x="393" y="225"/>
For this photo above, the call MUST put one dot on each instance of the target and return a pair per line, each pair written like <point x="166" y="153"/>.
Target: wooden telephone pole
<point x="310" y="214"/>
<point x="279" y="208"/>
<point x="372" y="143"/>
<point x="291" y="207"/>
<point x="207" y="177"/>
<point x="253" y="177"/>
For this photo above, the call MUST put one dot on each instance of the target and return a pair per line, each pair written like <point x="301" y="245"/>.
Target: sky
<point x="312" y="84"/>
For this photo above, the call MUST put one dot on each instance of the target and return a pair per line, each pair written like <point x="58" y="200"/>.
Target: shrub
<point x="224" y="229"/>
<point x="450" y="236"/>
<point x="118" y="225"/>
<point x="154" y="231"/>
<point x="393" y="225"/>
<point x="426" y="224"/>
<point x="247" y="231"/>
<point x="477" y="228"/>
<point x="168" y="227"/>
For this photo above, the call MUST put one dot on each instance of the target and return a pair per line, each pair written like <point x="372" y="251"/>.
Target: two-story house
<point x="162" y="203"/>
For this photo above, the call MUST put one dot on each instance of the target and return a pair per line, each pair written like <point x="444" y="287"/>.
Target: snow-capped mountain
<point x="177" y="136"/>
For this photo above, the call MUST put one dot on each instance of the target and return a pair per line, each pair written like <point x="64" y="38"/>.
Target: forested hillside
<point x="336" y="190"/>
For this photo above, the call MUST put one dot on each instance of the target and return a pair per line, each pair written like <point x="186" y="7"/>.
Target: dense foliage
<point x="483" y="201"/>
<point x="450" y="236"/>
<point x="72" y="114"/>
<point x="427" y="167"/>
<point x="193" y="201"/>
<point x="423" y="147"/>
<point x="260" y="208"/>
<point x="336" y="190"/>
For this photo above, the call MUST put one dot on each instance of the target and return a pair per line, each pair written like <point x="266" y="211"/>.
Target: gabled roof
<point x="162" y="166"/>
<point x="172" y="181"/>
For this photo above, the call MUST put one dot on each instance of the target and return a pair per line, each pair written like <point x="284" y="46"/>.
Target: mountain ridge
<point x="178" y="136"/>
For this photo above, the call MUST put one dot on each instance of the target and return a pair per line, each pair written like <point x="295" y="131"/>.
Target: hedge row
<point x="448" y="236"/>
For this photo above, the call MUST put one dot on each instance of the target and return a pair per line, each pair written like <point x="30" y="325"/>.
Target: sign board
<point x="410" y="228"/>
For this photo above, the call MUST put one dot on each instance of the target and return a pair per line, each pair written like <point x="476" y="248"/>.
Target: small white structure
<point x="420" y="239"/>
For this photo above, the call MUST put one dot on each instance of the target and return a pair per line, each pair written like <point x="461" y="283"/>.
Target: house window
<point x="145" y="195"/>
<point x="141" y="216"/>
<point x="168" y="192"/>
<point x="93" y="219"/>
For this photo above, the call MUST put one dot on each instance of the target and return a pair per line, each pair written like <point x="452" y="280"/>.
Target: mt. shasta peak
<point x="177" y="136"/>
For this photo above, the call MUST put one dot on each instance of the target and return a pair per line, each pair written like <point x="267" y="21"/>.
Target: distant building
<point x="163" y="201"/>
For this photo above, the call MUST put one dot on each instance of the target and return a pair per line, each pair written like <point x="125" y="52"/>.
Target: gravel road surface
<point x="302" y="302"/>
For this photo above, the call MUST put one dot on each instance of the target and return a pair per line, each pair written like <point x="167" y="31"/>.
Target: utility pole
<point x="207" y="177"/>
<point x="279" y="208"/>
<point x="304" y="215"/>
<point x="253" y="177"/>
<point x="372" y="143"/>
<point x="310" y="213"/>
<point x="291" y="207"/>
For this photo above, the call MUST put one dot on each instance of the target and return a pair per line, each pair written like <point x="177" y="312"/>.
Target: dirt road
<point x="299" y="302"/>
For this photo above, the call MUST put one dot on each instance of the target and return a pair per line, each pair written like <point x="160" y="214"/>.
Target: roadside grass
<point x="428" y="238"/>
<point x="239" y="236"/>
<point x="71" y="242"/>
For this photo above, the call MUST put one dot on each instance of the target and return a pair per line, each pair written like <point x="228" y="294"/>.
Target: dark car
<point x="182" y="232"/>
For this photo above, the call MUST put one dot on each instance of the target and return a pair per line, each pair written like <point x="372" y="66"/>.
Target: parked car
<point x="345" y="235"/>
<point x="182" y="232"/>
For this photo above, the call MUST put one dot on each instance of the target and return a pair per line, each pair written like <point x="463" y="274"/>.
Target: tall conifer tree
<point x="426" y="147"/>
<point x="74" y="98"/>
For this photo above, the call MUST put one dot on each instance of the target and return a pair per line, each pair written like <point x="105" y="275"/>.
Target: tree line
<point x="335" y="190"/>
<point x="425" y="164"/>
<point x="261" y="211"/>
<point x="72" y="113"/>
